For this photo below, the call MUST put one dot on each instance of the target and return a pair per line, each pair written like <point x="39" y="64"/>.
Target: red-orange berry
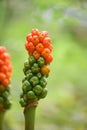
<point x="29" y="38"/>
<point x="35" y="32"/>
<point x="45" y="52"/>
<point x="29" y="47"/>
<point x="35" y="40"/>
<point x="5" y="82"/>
<point x="46" y="41"/>
<point x="2" y="49"/>
<point x="49" y="59"/>
<point x="39" y="47"/>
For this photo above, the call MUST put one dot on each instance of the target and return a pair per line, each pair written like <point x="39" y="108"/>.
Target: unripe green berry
<point x="8" y="104"/>
<point x="39" y="75"/>
<point x="30" y="95"/>
<point x="41" y="61"/>
<point x="24" y="79"/>
<point x="5" y="94"/>
<point x="37" y="89"/>
<point x="1" y="100"/>
<point x="35" y="68"/>
<point x="22" y="102"/>
<point x="32" y="60"/>
<point x="29" y="75"/>
<point x="26" y="64"/>
<point x="34" y="80"/>
<point x="26" y="86"/>
<point x="44" y="93"/>
<point x="43" y="81"/>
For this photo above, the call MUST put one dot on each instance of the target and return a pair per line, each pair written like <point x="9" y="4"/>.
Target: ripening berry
<point x="45" y="69"/>
<point x="36" y="54"/>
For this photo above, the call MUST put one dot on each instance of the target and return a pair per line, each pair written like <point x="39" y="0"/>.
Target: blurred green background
<point x="65" y="107"/>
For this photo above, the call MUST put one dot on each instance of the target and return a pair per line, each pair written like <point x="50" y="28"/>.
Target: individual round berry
<point x="43" y="81"/>
<point x="36" y="54"/>
<point x="39" y="47"/>
<point x="35" y="68"/>
<point x="41" y="61"/>
<point x="44" y="93"/>
<point x="34" y="80"/>
<point x="45" y="69"/>
<point x="31" y="95"/>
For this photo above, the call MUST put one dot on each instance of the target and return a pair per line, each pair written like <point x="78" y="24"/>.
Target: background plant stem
<point x="1" y="119"/>
<point x="29" y="114"/>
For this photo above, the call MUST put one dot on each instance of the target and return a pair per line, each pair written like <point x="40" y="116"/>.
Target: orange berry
<point x="49" y="59"/>
<point x="5" y="82"/>
<point x="1" y="62"/>
<point x="2" y="49"/>
<point x="39" y="47"/>
<point x="50" y="47"/>
<point x="45" y="52"/>
<point x="8" y="75"/>
<point x="35" y="32"/>
<point x="45" y="70"/>
<point x="36" y="54"/>
<point x="35" y="40"/>
<point x="29" y="47"/>
<point x="29" y="38"/>
<point x="46" y="41"/>
<point x="2" y="76"/>
<point x="44" y="34"/>
<point x="4" y="68"/>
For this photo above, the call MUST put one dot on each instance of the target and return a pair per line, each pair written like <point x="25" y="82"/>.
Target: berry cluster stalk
<point x="5" y="74"/>
<point x="1" y="119"/>
<point x="36" y="70"/>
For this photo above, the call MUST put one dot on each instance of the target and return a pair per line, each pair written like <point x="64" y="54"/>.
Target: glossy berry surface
<point x="36" y="67"/>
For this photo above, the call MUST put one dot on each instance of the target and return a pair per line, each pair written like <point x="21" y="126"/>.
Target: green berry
<point x="32" y="60"/>
<point x="34" y="80"/>
<point x="5" y="94"/>
<point x="37" y="89"/>
<point x="26" y="64"/>
<point x="43" y="81"/>
<point x="35" y="68"/>
<point x="26" y="86"/>
<point x="41" y="61"/>
<point x="44" y="93"/>
<point x="30" y="95"/>
<point x="8" y="104"/>
<point x="22" y="102"/>
<point x="24" y="79"/>
<point x="29" y="75"/>
<point x="39" y="75"/>
<point x="1" y="100"/>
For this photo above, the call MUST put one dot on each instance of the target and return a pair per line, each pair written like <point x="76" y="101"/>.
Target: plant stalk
<point x="1" y="119"/>
<point x="29" y="114"/>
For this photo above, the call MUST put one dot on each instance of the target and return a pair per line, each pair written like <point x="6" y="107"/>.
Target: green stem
<point x="1" y="119"/>
<point x="29" y="114"/>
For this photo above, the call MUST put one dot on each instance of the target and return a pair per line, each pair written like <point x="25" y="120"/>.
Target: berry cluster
<point x="5" y="74"/>
<point x="36" y="67"/>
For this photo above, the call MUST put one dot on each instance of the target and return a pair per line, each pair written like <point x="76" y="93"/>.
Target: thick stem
<point x="29" y="114"/>
<point x="1" y="119"/>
